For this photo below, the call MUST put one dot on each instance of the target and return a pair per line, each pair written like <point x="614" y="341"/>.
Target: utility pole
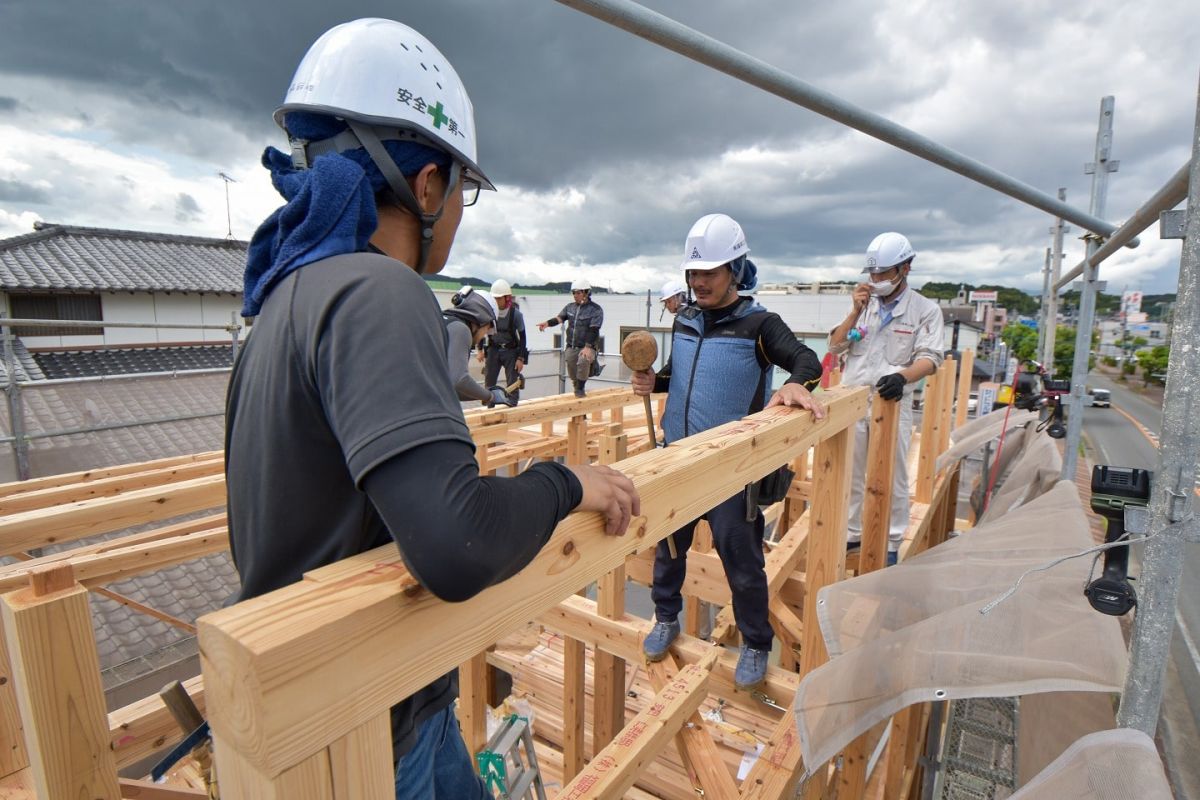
<point x="1099" y="170"/>
<point x="1042" y="312"/>
<point x="1050" y="299"/>
<point x="1172" y="517"/>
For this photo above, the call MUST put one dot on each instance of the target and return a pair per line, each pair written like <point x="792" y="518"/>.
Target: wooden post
<point x="48" y="627"/>
<point x="472" y="702"/>
<point x="965" y="369"/>
<point x="826" y="562"/>
<point x="931" y="417"/>
<point x="608" y="671"/>
<point x="877" y="489"/>
<point x="13" y="755"/>
<point x="357" y="766"/>
<point x="877" y="514"/>
<point x="693" y="606"/>
<point x="574" y="656"/>
<point x="577" y="440"/>
<point x="947" y="384"/>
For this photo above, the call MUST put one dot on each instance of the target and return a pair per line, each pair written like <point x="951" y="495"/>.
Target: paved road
<point x="1124" y="436"/>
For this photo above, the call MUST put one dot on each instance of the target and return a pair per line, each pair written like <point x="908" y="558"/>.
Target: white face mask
<point x="884" y="288"/>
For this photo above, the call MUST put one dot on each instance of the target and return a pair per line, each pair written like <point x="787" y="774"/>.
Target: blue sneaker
<point x="751" y="668"/>
<point x="893" y="557"/>
<point x="658" y="641"/>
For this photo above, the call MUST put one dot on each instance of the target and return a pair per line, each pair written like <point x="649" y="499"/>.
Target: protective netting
<point x="1121" y="764"/>
<point x="914" y="632"/>
<point x="1035" y="471"/>
<point x="978" y="432"/>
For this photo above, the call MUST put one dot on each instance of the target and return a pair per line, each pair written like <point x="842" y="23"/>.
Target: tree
<point x="1021" y="340"/>
<point x="1154" y="363"/>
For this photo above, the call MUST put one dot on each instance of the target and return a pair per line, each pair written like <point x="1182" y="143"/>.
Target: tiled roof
<point x="74" y="259"/>
<point x="27" y="368"/>
<point x="131" y="360"/>
<point x="117" y="405"/>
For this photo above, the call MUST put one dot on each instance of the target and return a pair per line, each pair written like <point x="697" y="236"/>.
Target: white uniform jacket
<point x="915" y="331"/>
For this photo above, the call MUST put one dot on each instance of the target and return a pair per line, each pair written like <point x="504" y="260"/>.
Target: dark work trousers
<point x="495" y="357"/>
<point x="740" y="545"/>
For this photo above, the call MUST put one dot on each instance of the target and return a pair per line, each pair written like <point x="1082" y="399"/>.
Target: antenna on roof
<point x="228" y="218"/>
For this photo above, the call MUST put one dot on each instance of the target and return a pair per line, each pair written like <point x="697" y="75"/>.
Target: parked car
<point x="1101" y="398"/>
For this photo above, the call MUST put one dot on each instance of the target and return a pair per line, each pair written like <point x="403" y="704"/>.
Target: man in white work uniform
<point x="891" y="339"/>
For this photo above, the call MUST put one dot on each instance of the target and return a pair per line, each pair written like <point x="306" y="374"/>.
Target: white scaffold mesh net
<point x="914" y="632"/>
<point x="1110" y="765"/>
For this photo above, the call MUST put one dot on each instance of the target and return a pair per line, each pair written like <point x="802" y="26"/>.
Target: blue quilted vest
<point x="716" y="376"/>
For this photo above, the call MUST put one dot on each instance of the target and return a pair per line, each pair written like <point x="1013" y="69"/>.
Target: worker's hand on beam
<point x="610" y="493"/>
<point x="643" y="382"/>
<point x="795" y="395"/>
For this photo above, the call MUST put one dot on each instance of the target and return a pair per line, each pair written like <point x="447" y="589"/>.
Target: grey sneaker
<point x="658" y="641"/>
<point x="751" y="668"/>
<point x="580" y="393"/>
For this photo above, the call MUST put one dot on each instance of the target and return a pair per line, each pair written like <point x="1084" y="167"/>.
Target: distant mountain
<point x="1021" y="302"/>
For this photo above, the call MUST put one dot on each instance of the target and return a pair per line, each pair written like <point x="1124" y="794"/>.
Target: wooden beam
<point x="489" y="422"/>
<point x="877" y="490"/>
<point x="109" y="487"/>
<point x="57" y="673"/>
<point x="146" y="790"/>
<point x="96" y="569"/>
<point x="373" y="627"/>
<point x="67" y="478"/>
<point x="13" y="755"/>
<point x="965" y="368"/>
<point x="947" y="384"/>
<point x="696" y="747"/>
<point x="615" y="768"/>
<point x="47" y="526"/>
<point x="144" y="727"/>
<point x="777" y="769"/>
<point x="576" y="616"/>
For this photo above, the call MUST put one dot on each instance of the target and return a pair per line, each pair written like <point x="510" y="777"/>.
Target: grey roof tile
<point x="70" y="258"/>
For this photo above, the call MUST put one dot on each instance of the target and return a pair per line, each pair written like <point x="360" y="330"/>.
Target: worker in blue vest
<point x="723" y="350"/>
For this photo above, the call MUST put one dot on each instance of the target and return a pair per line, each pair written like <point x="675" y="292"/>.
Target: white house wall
<point x="160" y="309"/>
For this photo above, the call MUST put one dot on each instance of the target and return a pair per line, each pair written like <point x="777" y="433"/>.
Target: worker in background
<point x="583" y="318"/>
<point x="891" y="339"/>
<point x="470" y="318"/>
<point x="343" y="432"/>
<point x="723" y="348"/>
<point x="506" y="346"/>
<point x="673" y="297"/>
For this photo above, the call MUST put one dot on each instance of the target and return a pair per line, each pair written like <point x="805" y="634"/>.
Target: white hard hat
<point x="479" y="305"/>
<point x="580" y="285"/>
<point x="713" y="241"/>
<point x="384" y="74"/>
<point x="500" y="288"/>
<point x="886" y="251"/>
<point x="670" y="289"/>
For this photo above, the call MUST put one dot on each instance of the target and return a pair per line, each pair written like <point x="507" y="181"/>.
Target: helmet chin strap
<point x="399" y="186"/>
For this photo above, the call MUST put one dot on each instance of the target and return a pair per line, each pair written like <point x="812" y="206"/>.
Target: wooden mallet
<point x="638" y="351"/>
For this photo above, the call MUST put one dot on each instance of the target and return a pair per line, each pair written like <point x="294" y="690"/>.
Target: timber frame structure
<point x="297" y="684"/>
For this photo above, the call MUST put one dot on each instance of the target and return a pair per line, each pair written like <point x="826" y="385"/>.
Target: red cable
<point x="987" y="496"/>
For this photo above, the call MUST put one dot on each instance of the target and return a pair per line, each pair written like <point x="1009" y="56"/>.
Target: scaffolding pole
<point x="16" y="410"/>
<point x="1091" y="284"/>
<point x="1173" y="521"/>
<point x="1044" y="311"/>
<point x="1170" y="195"/>
<point x="1050" y="298"/>
<point x="666" y="32"/>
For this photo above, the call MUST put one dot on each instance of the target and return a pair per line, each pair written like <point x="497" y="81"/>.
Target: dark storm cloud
<point x="20" y="192"/>
<point x="8" y="105"/>
<point x="186" y="208"/>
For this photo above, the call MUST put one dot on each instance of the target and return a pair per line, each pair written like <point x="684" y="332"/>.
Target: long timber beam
<point x="269" y="663"/>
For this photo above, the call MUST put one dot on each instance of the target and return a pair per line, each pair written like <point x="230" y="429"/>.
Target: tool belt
<point x="768" y="491"/>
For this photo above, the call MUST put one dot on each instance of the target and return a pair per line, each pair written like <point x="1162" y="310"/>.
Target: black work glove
<point x="891" y="387"/>
<point x="500" y="397"/>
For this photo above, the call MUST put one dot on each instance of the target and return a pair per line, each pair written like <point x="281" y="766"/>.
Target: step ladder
<point x="503" y="767"/>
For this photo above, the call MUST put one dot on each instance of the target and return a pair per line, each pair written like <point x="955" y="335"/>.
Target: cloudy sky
<point x="606" y="148"/>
